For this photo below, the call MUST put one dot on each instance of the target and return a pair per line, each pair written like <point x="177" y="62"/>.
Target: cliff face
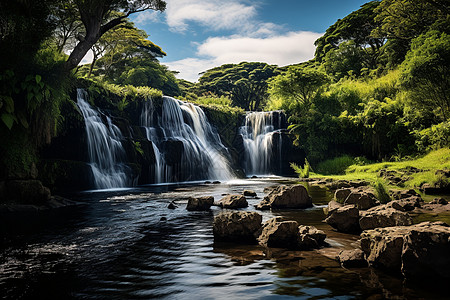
<point x="65" y="163"/>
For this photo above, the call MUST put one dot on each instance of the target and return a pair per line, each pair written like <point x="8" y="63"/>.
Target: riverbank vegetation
<point x="376" y="90"/>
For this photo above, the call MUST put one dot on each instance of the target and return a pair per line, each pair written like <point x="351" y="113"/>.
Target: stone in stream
<point x="295" y="196"/>
<point x="352" y="259"/>
<point x="344" y="219"/>
<point x="237" y="226"/>
<point x="362" y="200"/>
<point x="419" y="251"/>
<point x="332" y="206"/>
<point x="200" y="203"/>
<point x="310" y="237"/>
<point x="233" y="201"/>
<point x="279" y="234"/>
<point x="383" y="216"/>
<point x="249" y="193"/>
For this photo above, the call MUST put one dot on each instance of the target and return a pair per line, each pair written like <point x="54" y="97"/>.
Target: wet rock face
<point x="345" y="219"/>
<point x="237" y="227"/>
<point x="233" y="201"/>
<point x="200" y="203"/>
<point x="418" y="251"/>
<point x="383" y="216"/>
<point x="295" y="196"/>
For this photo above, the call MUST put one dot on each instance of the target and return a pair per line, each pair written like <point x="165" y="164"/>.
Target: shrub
<point x="302" y="172"/>
<point x="381" y="192"/>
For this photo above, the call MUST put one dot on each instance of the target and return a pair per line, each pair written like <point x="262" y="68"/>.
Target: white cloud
<point x="214" y="14"/>
<point x="290" y="48"/>
<point x="147" y="16"/>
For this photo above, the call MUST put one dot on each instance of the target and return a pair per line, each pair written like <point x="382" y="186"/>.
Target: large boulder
<point x="200" y="203"/>
<point x="345" y="219"/>
<point x="332" y="206"/>
<point x="426" y="251"/>
<point x="362" y="200"/>
<point x="310" y="237"/>
<point x="279" y="234"/>
<point x="406" y="204"/>
<point x="383" y="216"/>
<point x="341" y="194"/>
<point x="237" y="226"/>
<point x="295" y="196"/>
<point x="419" y="251"/>
<point x="233" y="201"/>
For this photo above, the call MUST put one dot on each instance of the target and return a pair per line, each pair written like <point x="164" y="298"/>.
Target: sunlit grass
<point x="435" y="160"/>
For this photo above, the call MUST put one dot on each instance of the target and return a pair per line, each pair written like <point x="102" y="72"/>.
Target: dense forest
<point x="378" y="87"/>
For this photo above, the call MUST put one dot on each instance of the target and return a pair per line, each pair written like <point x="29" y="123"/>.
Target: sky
<point x="198" y="35"/>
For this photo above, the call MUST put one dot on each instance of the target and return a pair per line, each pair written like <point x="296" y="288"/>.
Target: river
<point x="126" y="244"/>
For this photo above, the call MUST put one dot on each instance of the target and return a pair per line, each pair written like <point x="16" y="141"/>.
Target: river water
<point x="127" y="244"/>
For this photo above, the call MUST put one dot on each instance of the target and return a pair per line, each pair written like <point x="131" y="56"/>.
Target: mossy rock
<point x="66" y="175"/>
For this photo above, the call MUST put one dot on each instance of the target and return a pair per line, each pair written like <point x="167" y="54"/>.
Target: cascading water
<point x="184" y="125"/>
<point x="258" y="135"/>
<point x="105" y="149"/>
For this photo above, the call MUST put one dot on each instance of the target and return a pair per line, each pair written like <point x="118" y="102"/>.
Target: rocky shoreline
<point x="388" y="238"/>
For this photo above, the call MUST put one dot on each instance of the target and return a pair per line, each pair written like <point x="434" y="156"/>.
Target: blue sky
<point x="200" y="34"/>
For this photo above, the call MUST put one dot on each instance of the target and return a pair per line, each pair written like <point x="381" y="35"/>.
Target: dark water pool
<point x="129" y="245"/>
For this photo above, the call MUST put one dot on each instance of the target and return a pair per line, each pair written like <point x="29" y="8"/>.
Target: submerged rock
<point x="295" y="196"/>
<point x="233" y="201"/>
<point x="237" y="226"/>
<point x="344" y="219"/>
<point x="200" y="203"/>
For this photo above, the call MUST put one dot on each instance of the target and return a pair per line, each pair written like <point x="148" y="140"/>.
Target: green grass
<point x="435" y="160"/>
<point x="334" y="166"/>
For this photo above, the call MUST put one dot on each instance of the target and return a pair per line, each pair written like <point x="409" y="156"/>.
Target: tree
<point x="426" y="72"/>
<point x="245" y="83"/>
<point x="298" y="86"/>
<point x="356" y="27"/>
<point x="95" y="16"/>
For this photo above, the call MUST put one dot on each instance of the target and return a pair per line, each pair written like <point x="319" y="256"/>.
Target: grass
<point x="335" y="166"/>
<point x="435" y="160"/>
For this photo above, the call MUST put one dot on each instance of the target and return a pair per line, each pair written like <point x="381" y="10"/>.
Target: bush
<point x="381" y="193"/>
<point x="335" y="166"/>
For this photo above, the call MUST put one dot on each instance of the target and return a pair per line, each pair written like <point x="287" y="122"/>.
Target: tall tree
<point x="95" y="16"/>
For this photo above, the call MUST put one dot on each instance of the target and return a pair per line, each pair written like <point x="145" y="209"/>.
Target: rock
<point x="418" y="251"/>
<point x="162" y="219"/>
<point x="249" y="193"/>
<point x="332" y="206"/>
<point x="383" y="247"/>
<point x="200" y="203"/>
<point x="352" y="258"/>
<point x="397" y="195"/>
<point x="310" y="237"/>
<point x="254" y="176"/>
<point x="216" y="182"/>
<point x="237" y="226"/>
<point x="207" y="182"/>
<point x="342" y="194"/>
<point x="405" y="204"/>
<point x="172" y="205"/>
<point x="279" y="234"/>
<point x="361" y="200"/>
<point x="26" y="192"/>
<point x="345" y="219"/>
<point x="426" y="251"/>
<point x="340" y="184"/>
<point x="383" y="216"/>
<point x="295" y="196"/>
<point x="233" y="201"/>
<point x="440" y="201"/>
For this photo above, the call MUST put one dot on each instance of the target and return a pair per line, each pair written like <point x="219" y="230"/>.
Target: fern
<point x="302" y="172"/>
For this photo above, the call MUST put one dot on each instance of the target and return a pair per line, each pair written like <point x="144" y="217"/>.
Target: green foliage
<point x="219" y="101"/>
<point x="302" y="172"/>
<point x="245" y="83"/>
<point x="426" y="73"/>
<point x="335" y="166"/>
<point x="138" y="147"/>
<point x="434" y="137"/>
<point x="382" y="193"/>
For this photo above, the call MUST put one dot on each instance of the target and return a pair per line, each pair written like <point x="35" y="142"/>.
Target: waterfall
<point x="182" y="129"/>
<point x="258" y="134"/>
<point x="105" y="149"/>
